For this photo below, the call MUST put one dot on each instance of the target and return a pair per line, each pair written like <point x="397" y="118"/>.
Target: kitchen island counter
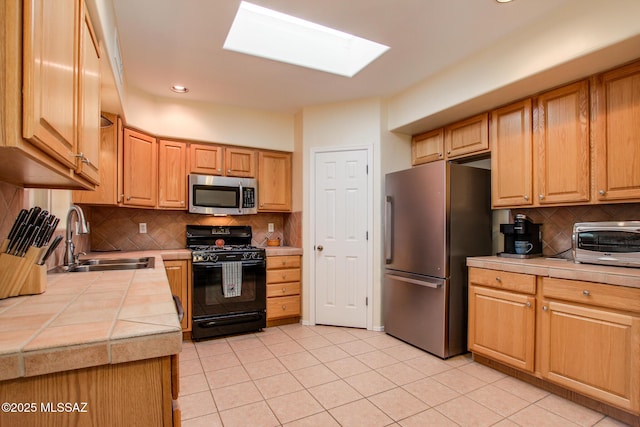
<point x="91" y="319"/>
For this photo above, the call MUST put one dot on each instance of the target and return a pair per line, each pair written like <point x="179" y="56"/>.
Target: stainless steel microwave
<point x="608" y="243"/>
<point x="222" y="195"/>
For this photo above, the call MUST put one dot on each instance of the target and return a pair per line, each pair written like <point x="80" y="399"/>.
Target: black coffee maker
<point x="522" y="239"/>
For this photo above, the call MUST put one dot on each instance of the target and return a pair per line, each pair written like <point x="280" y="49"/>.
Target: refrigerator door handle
<point x="414" y="281"/>
<point x="388" y="231"/>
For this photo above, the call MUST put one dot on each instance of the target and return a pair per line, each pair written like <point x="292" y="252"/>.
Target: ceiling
<point x="167" y="42"/>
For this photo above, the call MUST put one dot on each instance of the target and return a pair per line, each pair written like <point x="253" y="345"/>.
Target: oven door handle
<point x="176" y="301"/>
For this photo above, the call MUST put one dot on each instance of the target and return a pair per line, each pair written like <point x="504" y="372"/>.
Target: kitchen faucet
<point x="69" y="257"/>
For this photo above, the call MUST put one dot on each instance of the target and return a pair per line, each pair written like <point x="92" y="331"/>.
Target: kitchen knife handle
<point x="18" y="222"/>
<point x="388" y="230"/>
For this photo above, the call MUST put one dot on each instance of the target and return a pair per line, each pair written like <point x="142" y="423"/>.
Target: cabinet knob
<point x="220" y="170"/>
<point x="526" y="197"/>
<point x="284" y="290"/>
<point x="228" y="170"/>
<point x="182" y="202"/>
<point x="439" y="154"/>
<point x="284" y="276"/>
<point x="545" y="308"/>
<point x="498" y="279"/>
<point x="448" y="151"/>
<point x="602" y="192"/>
<point x="586" y="293"/>
<point x="284" y="307"/>
<point x="528" y="304"/>
<point x="541" y="196"/>
<point x="129" y="198"/>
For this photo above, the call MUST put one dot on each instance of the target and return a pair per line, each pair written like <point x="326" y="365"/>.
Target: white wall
<point x="350" y="124"/>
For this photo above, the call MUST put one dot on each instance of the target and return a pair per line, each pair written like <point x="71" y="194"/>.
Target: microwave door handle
<point x="241" y="198"/>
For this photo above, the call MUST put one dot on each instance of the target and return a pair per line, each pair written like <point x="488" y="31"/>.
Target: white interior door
<point x="341" y="222"/>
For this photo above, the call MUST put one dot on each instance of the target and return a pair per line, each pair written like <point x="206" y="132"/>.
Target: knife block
<point x="21" y="275"/>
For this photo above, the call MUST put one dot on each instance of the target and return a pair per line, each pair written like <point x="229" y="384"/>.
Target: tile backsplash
<point x="11" y="201"/>
<point x="117" y="228"/>
<point x="557" y="223"/>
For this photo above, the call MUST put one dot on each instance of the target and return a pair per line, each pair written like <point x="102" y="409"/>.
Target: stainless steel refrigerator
<point x="436" y="216"/>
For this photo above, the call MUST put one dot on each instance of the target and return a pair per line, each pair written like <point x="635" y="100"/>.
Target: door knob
<point x="320" y="248"/>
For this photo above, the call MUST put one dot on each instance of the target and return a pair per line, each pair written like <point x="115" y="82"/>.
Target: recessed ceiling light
<point x="504" y="1"/>
<point x="179" y="89"/>
<point x="273" y="35"/>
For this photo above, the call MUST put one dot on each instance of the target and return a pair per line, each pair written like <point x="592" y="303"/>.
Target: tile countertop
<point x="561" y="269"/>
<point x="91" y="319"/>
<point x="282" y="250"/>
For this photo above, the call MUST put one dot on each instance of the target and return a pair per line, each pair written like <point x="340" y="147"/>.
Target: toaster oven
<point x="608" y="243"/>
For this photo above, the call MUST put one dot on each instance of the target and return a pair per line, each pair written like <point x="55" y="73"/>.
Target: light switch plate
<point x="270" y="227"/>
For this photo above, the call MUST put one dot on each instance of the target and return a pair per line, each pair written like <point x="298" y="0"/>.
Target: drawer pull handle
<point x="498" y="279"/>
<point x="586" y="293"/>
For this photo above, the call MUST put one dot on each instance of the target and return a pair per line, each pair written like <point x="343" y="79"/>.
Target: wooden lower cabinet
<point x="502" y="322"/>
<point x="179" y="277"/>
<point x="283" y="289"/>
<point x="141" y="393"/>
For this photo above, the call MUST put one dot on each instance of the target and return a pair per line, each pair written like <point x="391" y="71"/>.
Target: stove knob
<point x="214" y="258"/>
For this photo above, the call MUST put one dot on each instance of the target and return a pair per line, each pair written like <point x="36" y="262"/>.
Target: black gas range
<point x="228" y="281"/>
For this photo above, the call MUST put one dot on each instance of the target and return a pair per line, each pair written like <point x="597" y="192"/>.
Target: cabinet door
<point x="205" y="159"/>
<point x="502" y="326"/>
<point x="89" y="114"/>
<point x="140" y="164"/>
<point x="49" y="77"/>
<point x="616" y="115"/>
<point x="427" y="147"/>
<point x="511" y="157"/>
<point x="107" y="192"/>
<point x="592" y="351"/>
<point x="561" y="142"/>
<point x="172" y="174"/>
<point x="274" y="181"/>
<point x="178" y="277"/>
<point x="470" y="136"/>
<point x="240" y="162"/>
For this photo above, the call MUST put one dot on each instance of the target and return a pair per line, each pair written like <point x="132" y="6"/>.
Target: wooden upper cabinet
<point x="427" y="147"/>
<point x="240" y="162"/>
<point x="89" y="112"/>
<point x="140" y="169"/>
<point x="616" y="122"/>
<point x="561" y="145"/>
<point x="172" y="174"/>
<point x="205" y="159"/>
<point x="511" y="155"/>
<point x="50" y="83"/>
<point x="467" y="137"/>
<point x="274" y="181"/>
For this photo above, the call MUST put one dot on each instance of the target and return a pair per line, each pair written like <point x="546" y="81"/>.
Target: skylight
<point x="273" y="35"/>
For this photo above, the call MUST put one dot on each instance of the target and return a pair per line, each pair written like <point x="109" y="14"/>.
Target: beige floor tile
<point x="572" y="411"/>
<point x="334" y="394"/>
<point x="275" y="338"/>
<point x="610" y="422"/>
<point x="498" y="400"/>
<point x="430" y="417"/>
<point x="482" y="372"/>
<point x="459" y="381"/>
<point x="363" y="333"/>
<point x="360" y="413"/>
<point x="356" y="347"/>
<point x="324" y="329"/>
<point x="521" y="389"/>
<point x="398" y="403"/>
<point x="221" y="361"/>
<point x="400" y="373"/>
<point x="317" y="341"/>
<point x="404" y="352"/>
<point x="294" y="406"/>
<point x="278" y="385"/>
<point x="188" y="352"/>
<point x="226" y="377"/>
<point x="340" y="337"/>
<point x="193" y="384"/>
<point x="323" y="419"/>
<point x="255" y="415"/>
<point x="298" y="331"/>
<point x="314" y="375"/>
<point x="190" y="367"/>
<point x="383" y="341"/>
<point x="236" y="395"/>
<point x="330" y="353"/>
<point x="370" y="383"/>
<point x="460" y="360"/>
<point x="347" y="367"/>
<point x="211" y="420"/>
<point x="505" y="423"/>
<point x="431" y="391"/>
<point x="243" y="344"/>
<point x="249" y="355"/>
<point x="285" y="348"/>
<point x="466" y="412"/>
<point x="377" y="359"/>
<point x="213" y="348"/>
<point x="428" y="365"/>
<point x="297" y="361"/>
<point x="196" y="405"/>
<point x="535" y="416"/>
<point x="264" y="368"/>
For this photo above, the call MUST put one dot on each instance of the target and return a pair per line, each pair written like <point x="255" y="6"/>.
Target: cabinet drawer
<point x="283" y="307"/>
<point x="611" y="296"/>
<point x="282" y="289"/>
<point x="525" y="283"/>
<point x="278" y="276"/>
<point x="283" y="262"/>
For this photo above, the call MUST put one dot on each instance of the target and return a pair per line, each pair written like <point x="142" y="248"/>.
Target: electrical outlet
<point x="142" y="227"/>
<point x="270" y="227"/>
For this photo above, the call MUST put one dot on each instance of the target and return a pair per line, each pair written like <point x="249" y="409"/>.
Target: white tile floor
<point x="328" y="376"/>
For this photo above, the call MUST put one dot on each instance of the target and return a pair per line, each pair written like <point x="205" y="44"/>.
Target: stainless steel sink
<point x="106" y="264"/>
